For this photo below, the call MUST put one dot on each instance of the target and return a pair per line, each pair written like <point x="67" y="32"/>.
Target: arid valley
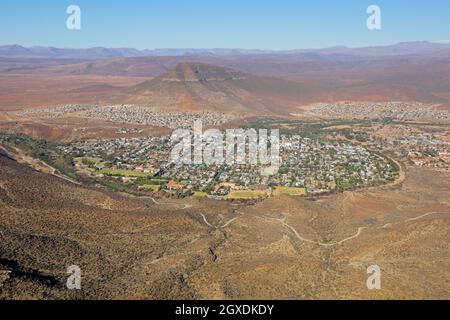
<point x="86" y="179"/>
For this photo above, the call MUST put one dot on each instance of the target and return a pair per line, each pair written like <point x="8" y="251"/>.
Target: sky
<point x="246" y="24"/>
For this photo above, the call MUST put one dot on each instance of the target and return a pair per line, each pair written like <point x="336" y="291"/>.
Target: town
<point x="430" y="150"/>
<point x="405" y="111"/>
<point x="132" y="114"/>
<point x="308" y="167"/>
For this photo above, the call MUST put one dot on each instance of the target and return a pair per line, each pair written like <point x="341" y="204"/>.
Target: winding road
<point x="358" y="233"/>
<point x="283" y="222"/>
<point x="425" y="215"/>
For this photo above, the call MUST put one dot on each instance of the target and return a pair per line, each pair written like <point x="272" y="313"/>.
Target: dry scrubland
<point x="286" y="247"/>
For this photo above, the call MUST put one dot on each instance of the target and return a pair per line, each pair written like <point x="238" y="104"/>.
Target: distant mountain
<point x="406" y="48"/>
<point x="199" y="86"/>
<point x="15" y="51"/>
<point x="267" y="82"/>
<point x="194" y="86"/>
<point x="399" y="49"/>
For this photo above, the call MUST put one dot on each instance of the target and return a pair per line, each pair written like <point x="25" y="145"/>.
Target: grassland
<point x="289" y="191"/>
<point x="247" y="195"/>
<point x="92" y="162"/>
<point x="125" y="173"/>
<point x="152" y="187"/>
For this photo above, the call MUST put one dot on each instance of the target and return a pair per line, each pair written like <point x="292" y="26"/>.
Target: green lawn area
<point x="200" y="194"/>
<point x="289" y="191"/>
<point x="94" y="162"/>
<point x="246" y="195"/>
<point x="101" y="164"/>
<point x="125" y="173"/>
<point x="160" y="180"/>
<point x="151" y="187"/>
<point x="88" y="160"/>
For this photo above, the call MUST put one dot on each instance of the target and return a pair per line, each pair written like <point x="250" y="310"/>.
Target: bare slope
<point x="198" y="86"/>
<point x="282" y="248"/>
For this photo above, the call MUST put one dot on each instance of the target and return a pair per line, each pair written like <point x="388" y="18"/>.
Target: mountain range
<point x="250" y="81"/>
<point x="17" y="51"/>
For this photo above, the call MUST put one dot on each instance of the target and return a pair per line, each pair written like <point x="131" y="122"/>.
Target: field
<point x="200" y="194"/>
<point x="152" y="187"/>
<point x="289" y="191"/>
<point x="125" y="173"/>
<point x="247" y="194"/>
<point x="92" y="162"/>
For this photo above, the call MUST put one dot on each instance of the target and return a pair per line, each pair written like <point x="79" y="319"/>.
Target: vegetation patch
<point x="247" y="195"/>
<point x="152" y="187"/>
<point x="125" y="173"/>
<point x="290" y="191"/>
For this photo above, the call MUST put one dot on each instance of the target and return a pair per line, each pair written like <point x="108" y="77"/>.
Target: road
<point x="358" y="233"/>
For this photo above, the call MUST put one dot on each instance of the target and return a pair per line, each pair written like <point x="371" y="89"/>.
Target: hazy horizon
<point x="444" y="43"/>
<point x="279" y="26"/>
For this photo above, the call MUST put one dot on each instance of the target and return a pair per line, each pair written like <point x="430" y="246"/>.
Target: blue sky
<point x="251" y="24"/>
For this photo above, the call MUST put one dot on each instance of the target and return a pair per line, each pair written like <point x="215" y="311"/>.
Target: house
<point x="422" y="161"/>
<point x="174" y="186"/>
<point x="151" y="170"/>
<point x="444" y="156"/>
<point x="228" y="185"/>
